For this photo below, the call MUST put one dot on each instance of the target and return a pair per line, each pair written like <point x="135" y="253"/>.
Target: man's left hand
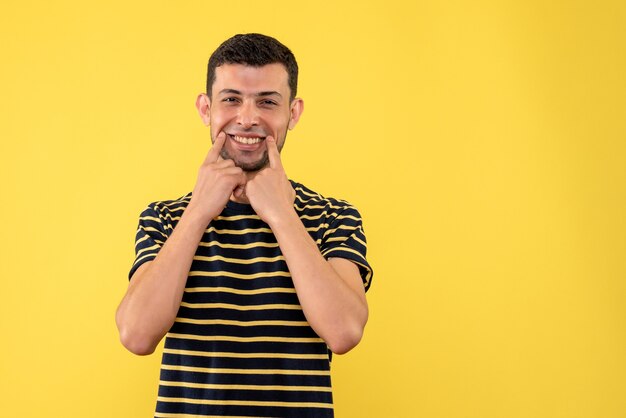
<point x="270" y="192"/>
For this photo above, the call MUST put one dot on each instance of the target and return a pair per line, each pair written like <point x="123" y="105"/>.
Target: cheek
<point x="220" y="117"/>
<point x="280" y="125"/>
<point x="216" y="121"/>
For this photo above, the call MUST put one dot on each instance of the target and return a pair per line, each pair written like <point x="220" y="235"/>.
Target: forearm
<point x="335" y="310"/>
<point x="153" y="298"/>
<point x="332" y="298"/>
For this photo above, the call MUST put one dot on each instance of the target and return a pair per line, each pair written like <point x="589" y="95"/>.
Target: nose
<point x="248" y="114"/>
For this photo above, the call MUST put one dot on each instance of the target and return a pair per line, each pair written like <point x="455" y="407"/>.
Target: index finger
<point x="215" y="150"/>
<point x="272" y="152"/>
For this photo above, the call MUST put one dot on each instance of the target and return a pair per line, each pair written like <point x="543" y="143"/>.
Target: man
<point x="253" y="277"/>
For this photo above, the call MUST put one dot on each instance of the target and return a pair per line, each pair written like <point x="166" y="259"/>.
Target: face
<point x="248" y="104"/>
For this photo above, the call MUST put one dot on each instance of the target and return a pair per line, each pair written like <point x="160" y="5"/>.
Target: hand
<point x="270" y="192"/>
<point x="217" y="180"/>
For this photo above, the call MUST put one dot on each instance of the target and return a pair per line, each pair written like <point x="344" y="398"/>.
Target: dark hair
<point x="255" y="50"/>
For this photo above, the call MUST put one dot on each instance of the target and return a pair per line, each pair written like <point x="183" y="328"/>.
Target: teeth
<point x="244" y="140"/>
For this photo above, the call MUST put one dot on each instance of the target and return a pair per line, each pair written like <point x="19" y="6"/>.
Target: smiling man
<point x="266" y="112"/>
<point x="253" y="279"/>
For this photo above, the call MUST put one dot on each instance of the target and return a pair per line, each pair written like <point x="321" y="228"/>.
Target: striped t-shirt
<point x="241" y="345"/>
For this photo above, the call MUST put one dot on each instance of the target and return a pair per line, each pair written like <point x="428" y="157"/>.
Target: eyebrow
<point x="259" y="94"/>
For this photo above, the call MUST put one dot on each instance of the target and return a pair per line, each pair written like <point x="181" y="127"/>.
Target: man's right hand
<point x="155" y="292"/>
<point x="217" y="180"/>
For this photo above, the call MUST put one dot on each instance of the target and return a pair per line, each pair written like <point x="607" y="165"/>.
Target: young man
<point x="253" y="277"/>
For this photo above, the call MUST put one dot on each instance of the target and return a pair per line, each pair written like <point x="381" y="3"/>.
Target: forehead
<point x="248" y="79"/>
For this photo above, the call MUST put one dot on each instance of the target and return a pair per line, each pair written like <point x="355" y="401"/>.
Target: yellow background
<point x="483" y="142"/>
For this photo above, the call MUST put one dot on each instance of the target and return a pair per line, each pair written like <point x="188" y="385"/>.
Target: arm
<point x="331" y="292"/>
<point x="151" y="303"/>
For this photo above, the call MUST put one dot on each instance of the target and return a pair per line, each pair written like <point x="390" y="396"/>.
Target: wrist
<point x="196" y="218"/>
<point x="284" y="219"/>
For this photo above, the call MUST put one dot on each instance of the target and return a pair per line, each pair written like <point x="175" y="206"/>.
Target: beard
<point x="248" y="166"/>
<point x="251" y="166"/>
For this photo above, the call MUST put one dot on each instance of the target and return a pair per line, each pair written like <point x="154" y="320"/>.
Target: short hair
<point x="255" y="50"/>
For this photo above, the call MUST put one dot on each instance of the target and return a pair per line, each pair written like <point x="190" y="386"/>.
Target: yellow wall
<point x="483" y="141"/>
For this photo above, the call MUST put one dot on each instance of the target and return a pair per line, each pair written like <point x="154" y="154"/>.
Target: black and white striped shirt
<point x="241" y="345"/>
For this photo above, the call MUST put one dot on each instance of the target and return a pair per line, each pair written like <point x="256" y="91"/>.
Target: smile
<point x="246" y="140"/>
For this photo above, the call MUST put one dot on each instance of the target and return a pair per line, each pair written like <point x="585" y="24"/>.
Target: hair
<point x="255" y="50"/>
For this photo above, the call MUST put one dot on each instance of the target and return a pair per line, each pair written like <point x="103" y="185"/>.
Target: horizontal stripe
<point x="151" y="229"/>
<point x="246" y="371"/>
<point x="309" y="207"/>
<point x="240" y="307"/>
<point x="246" y="355"/>
<point x="237" y="231"/>
<point x="143" y="250"/>
<point x="245" y="403"/>
<point x="239" y="246"/>
<point x="359" y="240"/>
<point x="342" y="227"/>
<point x="342" y="248"/>
<point x="316" y="228"/>
<point x="240" y="260"/>
<point x="219" y="218"/>
<point x="183" y="199"/>
<point x="315" y="199"/>
<point x="144" y="257"/>
<point x="237" y="217"/>
<point x="308" y="193"/>
<point x="242" y="323"/>
<point x="245" y="387"/>
<point x="354" y="218"/>
<point x="326" y="214"/>
<point x="264" y="339"/>
<point x="345" y="238"/>
<point x="171" y="218"/>
<point x="150" y="218"/>
<point x="175" y="415"/>
<point x="314" y="217"/>
<point x="238" y="275"/>
<point x="142" y="239"/>
<point x="337" y="239"/>
<point x="178" y="209"/>
<point x="239" y="291"/>
<point x="327" y="204"/>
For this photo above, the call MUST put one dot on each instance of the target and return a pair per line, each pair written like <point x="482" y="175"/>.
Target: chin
<point x="253" y="166"/>
<point x="248" y="166"/>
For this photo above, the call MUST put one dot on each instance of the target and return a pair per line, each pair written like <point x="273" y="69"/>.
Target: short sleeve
<point x="345" y="238"/>
<point x="150" y="237"/>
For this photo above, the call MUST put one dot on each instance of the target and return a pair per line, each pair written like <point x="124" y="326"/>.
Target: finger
<point x="240" y="191"/>
<point x="272" y="152"/>
<point x="215" y="150"/>
<point x="234" y="171"/>
<point x="222" y="163"/>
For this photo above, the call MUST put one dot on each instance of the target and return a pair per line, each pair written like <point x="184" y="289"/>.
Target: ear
<point x="203" y="104"/>
<point x="297" y="107"/>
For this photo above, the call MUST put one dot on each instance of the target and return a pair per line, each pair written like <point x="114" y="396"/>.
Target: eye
<point x="230" y="100"/>
<point x="268" y="103"/>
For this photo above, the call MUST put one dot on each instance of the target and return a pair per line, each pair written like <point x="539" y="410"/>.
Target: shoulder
<point x="309" y="201"/>
<point x="163" y="207"/>
<point x="165" y="213"/>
